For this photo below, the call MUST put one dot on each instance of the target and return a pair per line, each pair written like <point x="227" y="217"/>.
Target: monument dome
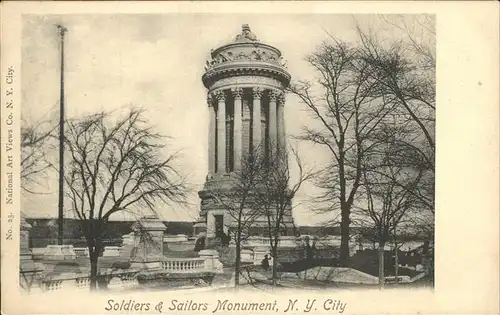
<point x="246" y="56"/>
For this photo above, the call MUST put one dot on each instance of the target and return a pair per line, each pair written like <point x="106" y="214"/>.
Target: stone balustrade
<point x="148" y="258"/>
<point x="128" y="279"/>
<point x="59" y="283"/>
<point x="53" y="285"/>
<point x="124" y="282"/>
<point x="184" y="265"/>
<point x="82" y="283"/>
<point x="109" y="251"/>
<point x="118" y="280"/>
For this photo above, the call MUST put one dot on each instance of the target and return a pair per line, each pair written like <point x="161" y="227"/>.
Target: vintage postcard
<point x="251" y="157"/>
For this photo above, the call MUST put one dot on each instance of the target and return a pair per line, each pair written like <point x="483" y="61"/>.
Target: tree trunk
<point x="381" y="277"/>
<point x="396" y="263"/>
<point x="237" y="265"/>
<point x="94" y="255"/>
<point x="275" y="265"/>
<point x="344" y="240"/>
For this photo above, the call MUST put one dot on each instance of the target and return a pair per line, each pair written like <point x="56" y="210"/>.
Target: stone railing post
<point x="212" y="262"/>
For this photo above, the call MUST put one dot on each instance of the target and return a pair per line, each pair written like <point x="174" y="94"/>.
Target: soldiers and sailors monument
<point x="245" y="79"/>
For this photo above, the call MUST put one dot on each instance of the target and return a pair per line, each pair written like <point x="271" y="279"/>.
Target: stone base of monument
<point x="147" y="242"/>
<point x="59" y="252"/>
<point x="148" y="263"/>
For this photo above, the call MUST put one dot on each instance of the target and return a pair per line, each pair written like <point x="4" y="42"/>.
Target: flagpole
<point x="60" y="237"/>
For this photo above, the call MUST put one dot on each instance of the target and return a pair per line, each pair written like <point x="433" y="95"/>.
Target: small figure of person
<point x="199" y="244"/>
<point x="265" y="263"/>
<point x="226" y="238"/>
<point x="313" y="249"/>
<point x="309" y="254"/>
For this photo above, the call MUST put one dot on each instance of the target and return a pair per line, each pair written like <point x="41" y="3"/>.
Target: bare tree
<point x="239" y="201"/>
<point x="388" y="201"/>
<point x="346" y="109"/>
<point x="358" y="85"/>
<point x="117" y="164"/>
<point x="405" y="72"/>
<point x="279" y="188"/>
<point x="35" y="143"/>
<point x="420" y="37"/>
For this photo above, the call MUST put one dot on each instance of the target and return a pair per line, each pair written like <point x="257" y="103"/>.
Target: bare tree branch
<point x="116" y="166"/>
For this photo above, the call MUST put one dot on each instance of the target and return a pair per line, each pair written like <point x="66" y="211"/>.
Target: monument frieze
<point x="242" y="53"/>
<point x="236" y="69"/>
<point x="247" y="81"/>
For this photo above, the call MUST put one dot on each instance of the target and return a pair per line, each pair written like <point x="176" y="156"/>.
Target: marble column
<point x="273" y="129"/>
<point x="211" y="136"/>
<point x="256" y="118"/>
<point x="237" y="133"/>
<point x="281" y="122"/>
<point x="221" y="131"/>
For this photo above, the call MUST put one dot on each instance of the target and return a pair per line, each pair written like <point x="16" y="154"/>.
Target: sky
<point x="156" y="62"/>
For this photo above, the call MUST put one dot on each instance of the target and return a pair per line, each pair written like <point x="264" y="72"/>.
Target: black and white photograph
<point x="195" y="153"/>
<point x="319" y="162"/>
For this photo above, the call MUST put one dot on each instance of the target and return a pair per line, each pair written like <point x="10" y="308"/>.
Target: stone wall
<point x="44" y="232"/>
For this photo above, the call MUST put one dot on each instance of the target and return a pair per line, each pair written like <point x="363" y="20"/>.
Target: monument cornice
<point x="248" y="68"/>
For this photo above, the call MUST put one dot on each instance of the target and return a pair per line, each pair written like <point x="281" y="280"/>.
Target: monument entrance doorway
<point x="219" y="226"/>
